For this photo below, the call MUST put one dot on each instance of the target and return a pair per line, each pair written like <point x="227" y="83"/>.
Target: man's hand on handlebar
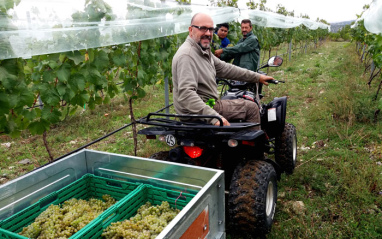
<point x="263" y="79"/>
<point x="225" y="122"/>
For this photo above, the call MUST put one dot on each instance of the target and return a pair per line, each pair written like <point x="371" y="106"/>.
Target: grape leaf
<point x="49" y="95"/>
<point x="141" y="76"/>
<point x="144" y="45"/>
<point x="21" y="123"/>
<point x="102" y="60"/>
<point x="4" y="104"/>
<point x="11" y="66"/>
<point x="29" y="114"/>
<point x="61" y="88"/>
<point x="26" y="97"/>
<point x="141" y="92"/>
<point x="119" y="59"/>
<point x="63" y="73"/>
<point x="53" y="64"/>
<point x="80" y="99"/>
<point x="51" y="115"/>
<point x="8" y="80"/>
<point x="39" y="127"/>
<point x="77" y="82"/>
<point x="93" y="71"/>
<point x="36" y="76"/>
<point x="48" y="76"/>
<point x="91" y="53"/>
<point x="75" y="56"/>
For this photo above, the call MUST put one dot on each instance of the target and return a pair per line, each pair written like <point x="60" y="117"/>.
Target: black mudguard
<point x="273" y="116"/>
<point x="155" y="131"/>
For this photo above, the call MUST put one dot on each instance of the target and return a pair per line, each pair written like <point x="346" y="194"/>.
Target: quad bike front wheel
<point x="252" y="198"/>
<point x="286" y="149"/>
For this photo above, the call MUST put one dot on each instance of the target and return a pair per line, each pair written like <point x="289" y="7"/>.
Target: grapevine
<point x="67" y="81"/>
<point x="369" y="48"/>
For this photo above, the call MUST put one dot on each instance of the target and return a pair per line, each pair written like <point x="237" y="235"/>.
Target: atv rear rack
<point x="194" y="124"/>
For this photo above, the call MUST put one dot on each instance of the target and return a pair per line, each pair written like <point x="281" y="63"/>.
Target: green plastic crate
<point x="128" y="207"/>
<point x="89" y="186"/>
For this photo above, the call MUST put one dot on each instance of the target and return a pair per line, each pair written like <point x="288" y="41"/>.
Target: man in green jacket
<point x="246" y="53"/>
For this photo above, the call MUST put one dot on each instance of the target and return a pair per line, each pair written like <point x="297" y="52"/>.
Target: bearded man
<point x="194" y="70"/>
<point x="246" y="52"/>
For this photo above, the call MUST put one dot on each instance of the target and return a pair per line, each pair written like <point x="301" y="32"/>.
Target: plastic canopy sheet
<point x="373" y="17"/>
<point x="39" y="27"/>
<point x="270" y="19"/>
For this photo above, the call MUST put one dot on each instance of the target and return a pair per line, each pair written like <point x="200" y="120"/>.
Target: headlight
<point x="233" y="143"/>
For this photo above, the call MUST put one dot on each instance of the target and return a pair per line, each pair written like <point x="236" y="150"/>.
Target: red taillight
<point x="250" y="143"/>
<point x="193" y="151"/>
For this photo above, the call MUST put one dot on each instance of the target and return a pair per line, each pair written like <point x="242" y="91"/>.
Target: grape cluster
<point x="147" y="223"/>
<point x="62" y="221"/>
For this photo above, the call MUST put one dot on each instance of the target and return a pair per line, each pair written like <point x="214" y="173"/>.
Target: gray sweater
<point x="194" y="73"/>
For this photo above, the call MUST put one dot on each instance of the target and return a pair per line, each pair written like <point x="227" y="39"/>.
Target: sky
<point x="329" y="10"/>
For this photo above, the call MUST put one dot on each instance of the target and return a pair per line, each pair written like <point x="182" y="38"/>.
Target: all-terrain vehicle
<point x="251" y="178"/>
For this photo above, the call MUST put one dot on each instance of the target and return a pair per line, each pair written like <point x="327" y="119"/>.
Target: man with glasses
<point x="194" y="69"/>
<point x="246" y="52"/>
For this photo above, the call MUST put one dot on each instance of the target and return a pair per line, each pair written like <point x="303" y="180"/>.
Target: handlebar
<point x="244" y="85"/>
<point x="275" y="81"/>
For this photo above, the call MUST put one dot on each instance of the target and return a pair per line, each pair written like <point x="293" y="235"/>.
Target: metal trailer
<point x="202" y="217"/>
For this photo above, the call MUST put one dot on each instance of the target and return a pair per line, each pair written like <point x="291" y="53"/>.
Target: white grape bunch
<point x="147" y="223"/>
<point x="62" y="221"/>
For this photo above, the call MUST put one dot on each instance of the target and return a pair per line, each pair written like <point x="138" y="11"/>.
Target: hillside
<point x="336" y="26"/>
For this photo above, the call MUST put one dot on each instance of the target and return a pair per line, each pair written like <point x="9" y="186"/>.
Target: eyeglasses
<point x="204" y="29"/>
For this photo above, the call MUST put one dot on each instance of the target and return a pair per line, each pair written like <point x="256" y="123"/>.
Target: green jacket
<point x="246" y="53"/>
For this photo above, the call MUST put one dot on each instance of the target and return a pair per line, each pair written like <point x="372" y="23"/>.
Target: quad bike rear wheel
<point x="252" y="198"/>
<point x="286" y="149"/>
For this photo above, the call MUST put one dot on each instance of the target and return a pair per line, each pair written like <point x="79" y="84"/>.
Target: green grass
<point x="338" y="175"/>
<point x="340" y="184"/>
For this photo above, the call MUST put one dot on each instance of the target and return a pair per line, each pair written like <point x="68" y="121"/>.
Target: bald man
<point x="194" y="70"/>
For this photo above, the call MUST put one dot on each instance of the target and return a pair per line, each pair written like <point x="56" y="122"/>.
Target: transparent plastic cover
<point x="38" y="27"/>
<point x="373" y="17"/>
<point x="270" y="19"/>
